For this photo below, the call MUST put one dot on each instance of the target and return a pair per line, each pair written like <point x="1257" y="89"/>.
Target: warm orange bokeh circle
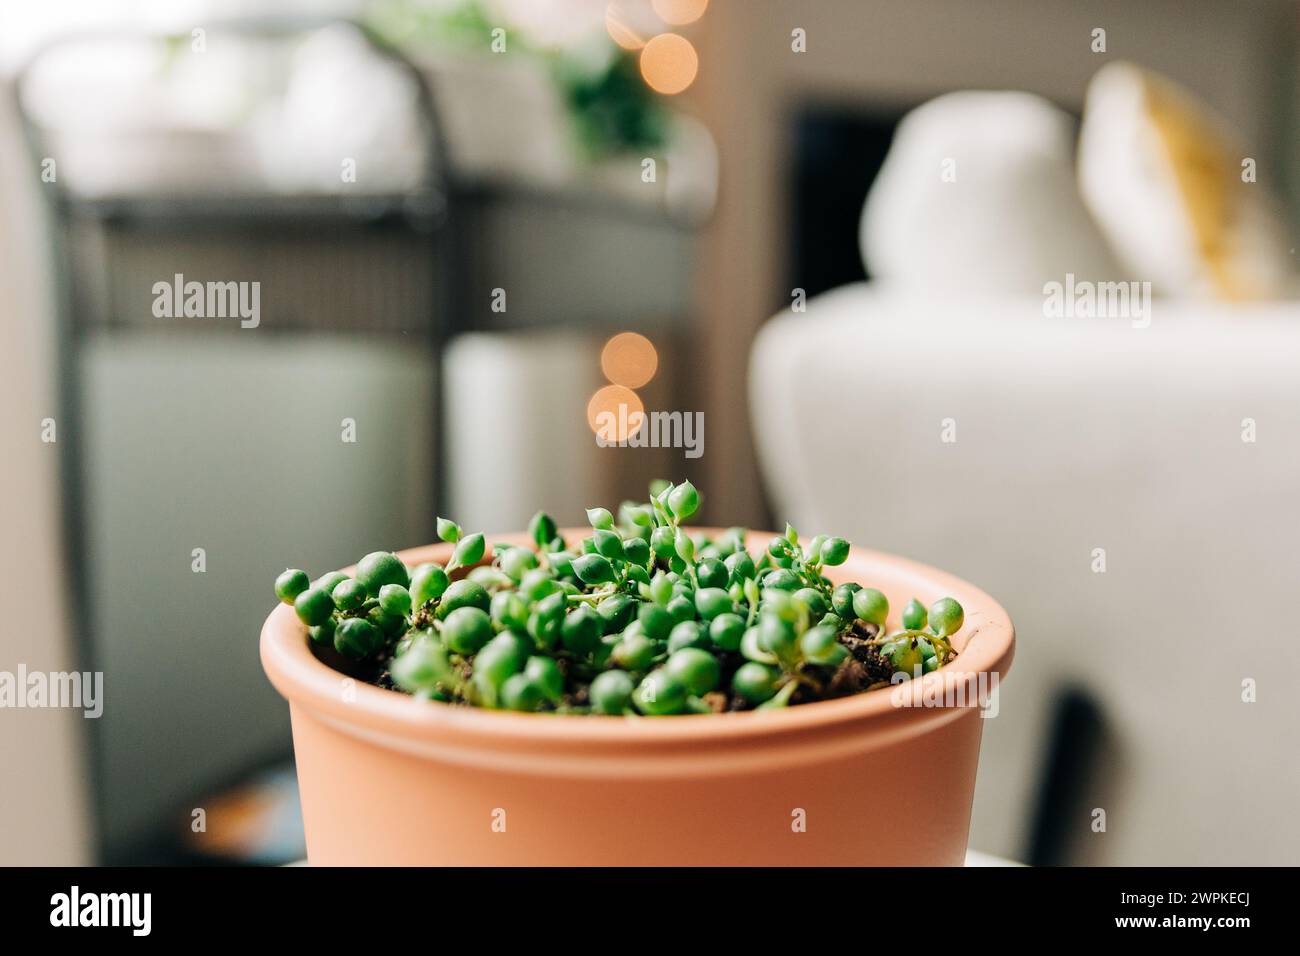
<point x="629" y="359"/>
<point x="679" y="12"/>
<point x="669" y="63"/>
<point x="620" y="30"/>
<point x="615" y="413"/>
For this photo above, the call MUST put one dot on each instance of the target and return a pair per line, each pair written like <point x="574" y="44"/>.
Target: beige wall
<point x="897" y="53"/>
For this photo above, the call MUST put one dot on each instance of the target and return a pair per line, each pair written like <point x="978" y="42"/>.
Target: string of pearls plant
<point x="641" y="616"/>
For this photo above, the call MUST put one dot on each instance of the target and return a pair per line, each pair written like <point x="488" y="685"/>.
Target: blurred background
<point x="830" y="228"/>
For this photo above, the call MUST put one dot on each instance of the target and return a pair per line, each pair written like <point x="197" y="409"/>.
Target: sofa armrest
<point x="1007" y="447"/>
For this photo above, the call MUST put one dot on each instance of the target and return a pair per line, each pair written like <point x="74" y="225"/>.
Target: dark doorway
<point x="837" y="152"/>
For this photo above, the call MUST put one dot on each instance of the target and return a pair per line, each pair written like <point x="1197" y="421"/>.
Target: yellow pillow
<point x="1175" y="193"/>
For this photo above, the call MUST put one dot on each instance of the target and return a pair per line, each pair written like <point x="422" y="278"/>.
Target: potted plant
<point x="635" y="693"/>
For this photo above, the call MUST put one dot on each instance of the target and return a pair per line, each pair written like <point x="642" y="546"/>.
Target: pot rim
<point x="985" y="646"/>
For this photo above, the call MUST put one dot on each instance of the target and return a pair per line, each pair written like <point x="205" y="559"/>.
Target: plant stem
<point x="782" y="696"/>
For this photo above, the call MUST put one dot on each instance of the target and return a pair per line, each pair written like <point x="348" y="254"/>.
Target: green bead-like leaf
<point x="755" y="682"/>
<point x="946" y="617"/>
<point x="290" y="584"/>
<point x="871" y="605"/>
<point x="609" y="544"/>
<point x="600" y="518"/>
<point x="542" y="529"/>
<point x="914" y="616"/>
<point x="593" y="569"/>
<point x="561" y="562"/>
<point x="448" y="530"/>
<point x="819" y="645"/>
<point x="905" y="655"/>
<point x="684" y="546"/>
<point x="422" y="667"/>
<point x="469" y="550"/>
<point x="661" y="589"/>
<point x="547" y="676"/>
<point x="834" y="551"/>
<point x="636" y="550"/>
<point x="662" y="500"/>
<point x="741" y="565"/>
<point x="684" y="500"/>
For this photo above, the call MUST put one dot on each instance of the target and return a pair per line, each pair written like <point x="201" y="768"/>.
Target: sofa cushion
<point x="1182" y="202"/>
<point x="978" y="194"/>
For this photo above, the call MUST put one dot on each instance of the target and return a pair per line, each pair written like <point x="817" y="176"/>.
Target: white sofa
<point x="1074" y="435"/>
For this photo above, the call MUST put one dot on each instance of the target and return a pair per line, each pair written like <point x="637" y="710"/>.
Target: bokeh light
<point x="629" y="359"/>
<point x="618" y="26"/>
<point x="615" y="413"/>
<point x="669" y="63"/>
<point x="679" y="12"/>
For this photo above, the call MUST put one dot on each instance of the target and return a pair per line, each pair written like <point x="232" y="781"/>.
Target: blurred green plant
<point x="611" y="108"/>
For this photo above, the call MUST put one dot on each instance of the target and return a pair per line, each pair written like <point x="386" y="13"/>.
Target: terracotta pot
<point x="388" y="779"/>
